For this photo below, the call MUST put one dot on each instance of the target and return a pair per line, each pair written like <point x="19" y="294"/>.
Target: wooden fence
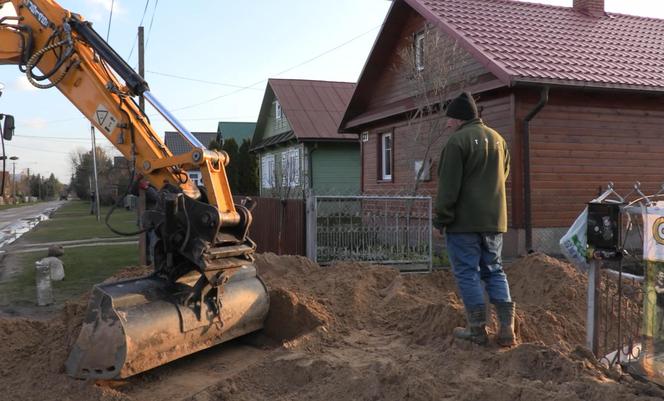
<point x="278" y="225"/>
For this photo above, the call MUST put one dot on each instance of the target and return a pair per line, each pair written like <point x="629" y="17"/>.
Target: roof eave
<point x="356" y="124"/>
<point x="274" y="141"/>
<point x="583" y="85"/>
<point x="341" y="139"/>
<point x="366" y="66"/>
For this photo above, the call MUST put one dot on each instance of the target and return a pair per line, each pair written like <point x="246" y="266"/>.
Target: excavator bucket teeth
<point x="135" y="325"/>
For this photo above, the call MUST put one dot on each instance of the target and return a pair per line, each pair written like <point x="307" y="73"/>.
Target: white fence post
<point x="430" y="235"/>
<point x="43" y="283"/>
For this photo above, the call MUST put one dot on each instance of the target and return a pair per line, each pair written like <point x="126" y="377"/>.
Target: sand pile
<point x="32" y="355"/>
<point x="354" y="332"/>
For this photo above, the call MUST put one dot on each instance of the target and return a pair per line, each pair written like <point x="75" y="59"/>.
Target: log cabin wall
<point x="582" y="140"/>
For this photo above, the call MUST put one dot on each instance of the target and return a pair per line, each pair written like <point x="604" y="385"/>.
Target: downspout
<point x="310" y="166"/>
<point x="544" y="98"/>
<point x="362" y="162"/>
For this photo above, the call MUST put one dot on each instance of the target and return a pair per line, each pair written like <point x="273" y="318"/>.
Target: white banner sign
<point x="653" y="233"/>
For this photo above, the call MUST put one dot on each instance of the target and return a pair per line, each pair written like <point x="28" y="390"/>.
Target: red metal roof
<point x="313" y="108"/>
<point x="529" y="42"/>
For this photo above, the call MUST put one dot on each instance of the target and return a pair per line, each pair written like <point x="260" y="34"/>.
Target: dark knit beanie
<point x="462" y="107"/>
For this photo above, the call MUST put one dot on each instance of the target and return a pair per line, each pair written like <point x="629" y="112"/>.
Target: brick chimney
<point x="593" y="8"/>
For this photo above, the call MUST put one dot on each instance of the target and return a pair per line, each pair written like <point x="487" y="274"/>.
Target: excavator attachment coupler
<point x="135" y="325"/>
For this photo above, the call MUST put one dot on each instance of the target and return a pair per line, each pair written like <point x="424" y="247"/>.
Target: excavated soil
<point x="350" y="332"/>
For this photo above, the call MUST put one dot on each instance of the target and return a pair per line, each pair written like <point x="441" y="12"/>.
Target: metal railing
<point x="393" y="230"/>
<point x="617" y="291"/>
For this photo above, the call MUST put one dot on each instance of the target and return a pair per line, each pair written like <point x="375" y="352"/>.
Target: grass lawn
<point x="10" y="206"/>
<point x="84" y="267"/>
<point x="73" y="221"/>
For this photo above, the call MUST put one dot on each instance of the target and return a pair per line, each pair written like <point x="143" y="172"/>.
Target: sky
<point x="208" y="61"/>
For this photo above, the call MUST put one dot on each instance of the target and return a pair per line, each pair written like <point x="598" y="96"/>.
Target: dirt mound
<point x="551" y="300"/>
<point x="32" y="356"/>
<point x="129" y="273"/>
<point x="290" y="316"/>
<point x="352" y="331"/>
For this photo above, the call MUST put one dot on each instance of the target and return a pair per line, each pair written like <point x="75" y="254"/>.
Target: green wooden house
<point x="297" y="141"/>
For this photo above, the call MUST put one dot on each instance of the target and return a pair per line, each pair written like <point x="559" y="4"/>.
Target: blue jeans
<point x="475" y="257"/>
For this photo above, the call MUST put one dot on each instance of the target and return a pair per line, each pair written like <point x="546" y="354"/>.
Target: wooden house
<point x="298" y="143"/>
<point x="575" y="91"/>
<point x="179" y="145"/>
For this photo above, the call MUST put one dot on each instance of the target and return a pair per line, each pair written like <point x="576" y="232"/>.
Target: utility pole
<point x="94" y="168"/>
<point x="143" y="252"/>
<point x="141" y="63"/>
<point x="14" y="181"/>
<point x="13" y="159"/>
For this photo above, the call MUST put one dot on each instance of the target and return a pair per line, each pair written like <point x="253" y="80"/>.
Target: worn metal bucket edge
<point x="135" y="325"/>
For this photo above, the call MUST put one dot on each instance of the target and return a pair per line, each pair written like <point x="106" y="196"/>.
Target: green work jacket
<point x="472" y="171"/>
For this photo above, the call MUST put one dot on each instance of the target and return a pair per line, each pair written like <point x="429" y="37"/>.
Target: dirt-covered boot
<point x="505" y="311"/>
<point x="476" y="329"/>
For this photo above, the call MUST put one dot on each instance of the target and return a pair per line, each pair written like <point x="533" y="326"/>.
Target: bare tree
<point x="436" y="67"/>
<point x="285" y="181"/>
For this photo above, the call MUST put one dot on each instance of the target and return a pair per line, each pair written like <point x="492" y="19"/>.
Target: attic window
<point x="419" y="51"/>
<point x="277" y="110"/>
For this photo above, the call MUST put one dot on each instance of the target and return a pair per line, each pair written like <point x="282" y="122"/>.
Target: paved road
<point x="14" y="215"/>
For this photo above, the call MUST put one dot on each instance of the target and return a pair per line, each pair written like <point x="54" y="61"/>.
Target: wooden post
<point x="143" y="258"/>
<point x="143" y="251"/>
<point x="141" y="64"/>
<point x="310" y="221"/>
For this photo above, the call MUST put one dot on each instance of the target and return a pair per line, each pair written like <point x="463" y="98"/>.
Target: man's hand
<point x="438" y="230"/>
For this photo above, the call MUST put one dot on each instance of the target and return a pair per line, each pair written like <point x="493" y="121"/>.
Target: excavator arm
<point x="205" y="289"/>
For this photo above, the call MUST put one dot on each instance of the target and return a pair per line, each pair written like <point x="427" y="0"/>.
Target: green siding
<point x="273" y="126"/>
<point x="336" y="168"/>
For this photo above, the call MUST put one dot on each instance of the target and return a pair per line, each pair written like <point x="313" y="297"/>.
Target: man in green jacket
<point x="471" y="207"/>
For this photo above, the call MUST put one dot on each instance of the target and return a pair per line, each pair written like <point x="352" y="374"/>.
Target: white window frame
<point x="386" y="155"/>
<point x="267" y="171"/>
<point x="278" y="112"/>
<point x="290" y="168"/>
<point x="196" y="177"/>
<point x="419" y="51"/>
<point x="426" y="172"/>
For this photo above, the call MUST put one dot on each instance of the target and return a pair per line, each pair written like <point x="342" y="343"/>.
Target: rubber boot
<point x="476" y="329"/>
<point x="505" y="311"/>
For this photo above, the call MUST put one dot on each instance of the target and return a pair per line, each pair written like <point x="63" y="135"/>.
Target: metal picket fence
<point x="617" y="293"/>
<point x="393" y="230"/>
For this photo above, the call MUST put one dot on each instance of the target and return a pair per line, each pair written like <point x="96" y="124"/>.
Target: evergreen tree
<point x="214" y="145"/>
<point x="233" y="169"/>
<point x="248" y="165"/>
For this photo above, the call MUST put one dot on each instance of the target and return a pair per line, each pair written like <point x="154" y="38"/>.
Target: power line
<point x="110" y="18"/>
<point x="242" y="88"/>
<point x="147" y="2"/>
<point x="83" y="118"/>
<point x="200" y="80"/>
<point x="154" y="12"/>
<point x="52" y="138"/>
<point x="329" y="51"/>
<point x="280" y="73"/>
<point x="37" y="150"/>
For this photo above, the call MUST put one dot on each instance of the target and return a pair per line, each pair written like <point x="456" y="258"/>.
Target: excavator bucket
<point x="135" y="325"/>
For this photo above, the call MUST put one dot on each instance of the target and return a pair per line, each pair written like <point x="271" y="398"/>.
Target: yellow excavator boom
<point x="205" y="289"/>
